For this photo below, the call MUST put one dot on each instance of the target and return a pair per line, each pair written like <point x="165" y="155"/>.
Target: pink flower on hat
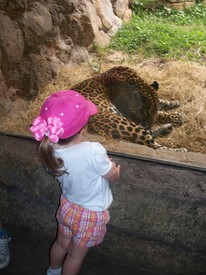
<point x="50" y="127"/>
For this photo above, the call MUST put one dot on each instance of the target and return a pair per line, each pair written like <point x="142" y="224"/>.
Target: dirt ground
<point x="29" y="256"/>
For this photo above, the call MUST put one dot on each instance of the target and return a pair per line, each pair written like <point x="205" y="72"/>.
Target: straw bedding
<point x="182" y="81"/>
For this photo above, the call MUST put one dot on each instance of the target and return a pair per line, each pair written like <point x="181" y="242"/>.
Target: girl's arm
<point x="113" y="174"/>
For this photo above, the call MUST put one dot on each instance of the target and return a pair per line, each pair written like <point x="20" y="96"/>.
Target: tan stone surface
<point x="48" y="33"/>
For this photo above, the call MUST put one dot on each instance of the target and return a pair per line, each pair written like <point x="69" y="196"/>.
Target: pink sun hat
<point x="62" y="115"/>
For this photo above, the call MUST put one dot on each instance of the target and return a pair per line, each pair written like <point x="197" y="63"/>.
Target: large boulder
<point x="38" y="37"/>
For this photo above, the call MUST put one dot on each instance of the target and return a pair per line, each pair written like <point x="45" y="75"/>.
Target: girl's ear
<point x="82" y="132"/>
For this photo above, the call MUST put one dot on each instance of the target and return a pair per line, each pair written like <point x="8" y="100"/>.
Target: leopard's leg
<point x="168" y="105"/>
<point x="120" y="128"/>
<point x="174" y="118"/>
<point x="162" y="130"/>
<point x="183" y="150"/>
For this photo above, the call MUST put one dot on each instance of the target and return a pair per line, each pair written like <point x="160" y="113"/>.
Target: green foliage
<point x="162" y="32"/>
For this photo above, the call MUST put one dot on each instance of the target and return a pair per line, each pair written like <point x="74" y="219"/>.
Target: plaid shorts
<point x="86" y="228"/>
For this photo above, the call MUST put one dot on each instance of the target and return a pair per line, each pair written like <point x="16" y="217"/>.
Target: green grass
<point x="164" y="32"/>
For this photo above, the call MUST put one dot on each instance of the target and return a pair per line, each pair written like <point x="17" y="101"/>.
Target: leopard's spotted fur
<point x="128" y="106"/>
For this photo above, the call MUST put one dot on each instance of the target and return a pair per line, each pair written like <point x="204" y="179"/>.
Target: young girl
<point x="83" y="170"/>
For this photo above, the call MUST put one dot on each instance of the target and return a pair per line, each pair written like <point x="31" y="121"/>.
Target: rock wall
<point x="38" y="37"/>
<point x="178" y="4"/>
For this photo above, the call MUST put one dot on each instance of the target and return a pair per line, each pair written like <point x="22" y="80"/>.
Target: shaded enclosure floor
<point x="29" y="256"/>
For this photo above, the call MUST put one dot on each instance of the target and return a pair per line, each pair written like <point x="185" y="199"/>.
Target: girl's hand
<point x="114" y="173"/>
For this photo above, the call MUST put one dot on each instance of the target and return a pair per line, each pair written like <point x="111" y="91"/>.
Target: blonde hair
<point x="53" y="164"/>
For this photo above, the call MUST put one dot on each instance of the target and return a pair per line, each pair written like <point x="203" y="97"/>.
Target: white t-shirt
<point x="85" y="163"/>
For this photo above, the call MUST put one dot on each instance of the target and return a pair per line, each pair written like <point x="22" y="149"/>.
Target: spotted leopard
<point x="128" y="107"/>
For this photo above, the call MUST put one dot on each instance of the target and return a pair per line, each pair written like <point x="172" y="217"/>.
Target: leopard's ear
<point x="155" y="85"/>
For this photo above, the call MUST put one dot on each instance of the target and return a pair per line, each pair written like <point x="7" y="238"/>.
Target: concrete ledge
<point x="158" y="216"/>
